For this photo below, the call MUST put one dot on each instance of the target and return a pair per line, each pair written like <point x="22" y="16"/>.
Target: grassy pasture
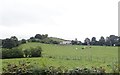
<point x="70" y="56"/>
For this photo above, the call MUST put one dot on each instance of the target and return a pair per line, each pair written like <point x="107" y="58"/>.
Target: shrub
<point x="33" y="52"/>
<point x="20" y="69"/>
<point x="25" y="68"/>
<point x="36" y="52"/>
<point x="27" y="53"/>
<point x="12" y="53"/>
<point x="19" y="53"/>
<point x="23" y="41"/>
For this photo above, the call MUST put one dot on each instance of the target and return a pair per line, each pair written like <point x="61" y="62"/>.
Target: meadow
<point x="70" y="56"/>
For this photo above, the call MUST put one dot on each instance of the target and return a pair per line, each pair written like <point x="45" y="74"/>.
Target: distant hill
<point x="52" y="40"/>
<point x="56" y="39"/>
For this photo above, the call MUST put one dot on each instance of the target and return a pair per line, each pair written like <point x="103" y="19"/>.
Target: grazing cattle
<point x="86" y="47"/>
<point x="82" y="48"/>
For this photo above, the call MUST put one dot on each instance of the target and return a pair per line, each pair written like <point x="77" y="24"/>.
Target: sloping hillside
<point x="56" y="39"/>
<point x="70" y="56"/>
<point x="74" y="50"/>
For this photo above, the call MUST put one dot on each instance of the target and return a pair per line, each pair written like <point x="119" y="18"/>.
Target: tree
<point x="113" y="39"/>
<point x="10" y="42"/>
<point x="38" y="36"/>
<point x="93" y="41"/>
<point x="74" y="42"/>
<point x="44" y="36"/>
<point x="102" y="41"/>
<point x="32" y="39"/>
<point x="118" y="41"/>
<point x="15" y="39"/>
<point x="87" y="41"/>
<point x="36" y="52"/>
<point x="107" y="42"/>
<point x="12" y="53"/>
<point x="23" y="41"/>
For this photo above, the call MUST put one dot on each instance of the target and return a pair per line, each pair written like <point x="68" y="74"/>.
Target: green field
<point x="70" y="56"/>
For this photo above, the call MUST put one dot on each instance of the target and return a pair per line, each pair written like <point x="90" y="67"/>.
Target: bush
<point x="26" y="68"/>
<point x="23" y="41"/>
<point x="23" y="68"/>
<point x="27" y="53"/>
<point x="36" y="52"/>
<point x="19" y="53"/>
<point x="33" y="52"/>
<point x="12" y="53"/>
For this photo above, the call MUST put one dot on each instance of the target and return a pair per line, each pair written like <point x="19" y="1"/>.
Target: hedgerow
<point x="19" y="53"/>
<point x="25" y="68"/>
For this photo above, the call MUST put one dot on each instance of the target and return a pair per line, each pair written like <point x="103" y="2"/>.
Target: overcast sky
<point x="68" y="19"/>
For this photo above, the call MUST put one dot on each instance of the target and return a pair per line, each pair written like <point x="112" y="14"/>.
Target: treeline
<point x="112" y="40"/>
<point x="14" y="42"/>
<point x="43" y="38"/>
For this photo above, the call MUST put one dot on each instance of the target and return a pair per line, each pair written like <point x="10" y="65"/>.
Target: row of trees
<point x="42" y="38"/>
<point x="14" y="42"/>
<point x="112" y="40"/>
<point x="10" y="42"/>
<point x="38" y="37"/>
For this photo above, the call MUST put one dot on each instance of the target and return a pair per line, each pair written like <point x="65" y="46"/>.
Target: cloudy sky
<point x="68" y="19"/>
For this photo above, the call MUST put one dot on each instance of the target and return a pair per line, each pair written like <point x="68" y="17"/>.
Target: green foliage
<point x="33" y="52"/>
<point x="27" y="68"/>
<point x="115" y="67"/>
<point x="49" y="41"/>
<point x="19" y="53"/>
<point x="36" y="52"/>
<point x="45" y="39"/>
<point x="101" y="41"/>
<point x="27" y="53"/>
<point x="39" y="36"/>
<point x="21" y="68"/>
<point x="67" y="55"/>
<point x="10" y="42"/>
<point x="23" y="41"/>
<point x="12" y="53"/>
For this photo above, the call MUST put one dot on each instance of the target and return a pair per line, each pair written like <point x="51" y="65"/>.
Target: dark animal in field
<point x="82" y="48"/>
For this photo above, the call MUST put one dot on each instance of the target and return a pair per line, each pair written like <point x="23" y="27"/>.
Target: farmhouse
<point x="65" y="42"/>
